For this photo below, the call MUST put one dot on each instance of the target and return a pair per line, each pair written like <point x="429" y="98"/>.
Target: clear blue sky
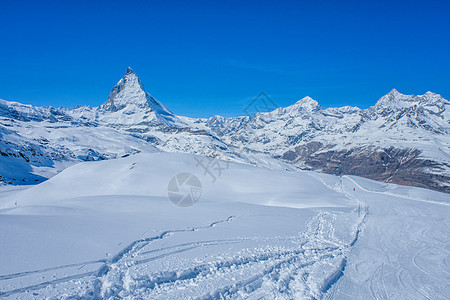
<point x="202" y="58"/>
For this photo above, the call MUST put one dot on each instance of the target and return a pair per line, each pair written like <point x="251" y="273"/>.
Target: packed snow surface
<point x="107" y="229"/>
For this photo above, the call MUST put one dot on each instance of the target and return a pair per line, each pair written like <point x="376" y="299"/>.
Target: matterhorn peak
<point x="129" y="71"/>
<point x="128" y="91"/>
<point x="131" y="104"/>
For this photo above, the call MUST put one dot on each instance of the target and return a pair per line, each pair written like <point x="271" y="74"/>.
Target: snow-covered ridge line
<point x="402" y="138"/>
<point x="393" y="100"/>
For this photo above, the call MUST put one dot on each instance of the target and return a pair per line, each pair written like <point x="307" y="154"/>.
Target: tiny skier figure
<point x="354" y="189"/>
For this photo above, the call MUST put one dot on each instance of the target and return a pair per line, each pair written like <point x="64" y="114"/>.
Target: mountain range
<point x="402" y="139"/>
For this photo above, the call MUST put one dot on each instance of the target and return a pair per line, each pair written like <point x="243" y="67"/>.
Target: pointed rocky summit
<point x="129" y="71"/>
<point x="129" y="98"/>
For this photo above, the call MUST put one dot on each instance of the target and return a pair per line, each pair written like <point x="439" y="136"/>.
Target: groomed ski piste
<point x="107" y="230"/>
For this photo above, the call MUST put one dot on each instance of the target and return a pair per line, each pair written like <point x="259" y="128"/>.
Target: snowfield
<point x="107" y="230"/>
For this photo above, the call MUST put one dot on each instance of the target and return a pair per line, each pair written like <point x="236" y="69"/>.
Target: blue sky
<point x="202" y="58"/>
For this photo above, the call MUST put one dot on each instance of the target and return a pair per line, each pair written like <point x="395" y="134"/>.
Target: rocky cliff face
<point x="401" y="139"/>
<point x="396" y="165"/>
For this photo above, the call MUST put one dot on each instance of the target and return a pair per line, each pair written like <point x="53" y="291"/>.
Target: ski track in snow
<point x="131" y="250"/>
<point x="274" y="269"/>
<point x="277" y="269"/>
<point x="402" y="252"/>
<point x="319" y="263"/>
<point x="114" y="282"/>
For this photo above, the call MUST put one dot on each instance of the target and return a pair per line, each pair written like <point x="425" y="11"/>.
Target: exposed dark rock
<point x="401" y="166"/>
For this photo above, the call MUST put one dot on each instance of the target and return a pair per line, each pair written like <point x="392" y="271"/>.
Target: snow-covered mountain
<point x="129" y="104"/>
<point x="401" y="139"/>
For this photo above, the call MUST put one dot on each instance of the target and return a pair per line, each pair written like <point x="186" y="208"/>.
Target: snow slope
<point x="404" y="249"/>
<point x="106" y="229"/>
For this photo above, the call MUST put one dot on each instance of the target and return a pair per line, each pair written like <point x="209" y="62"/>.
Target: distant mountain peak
<point x="130" y="99"/>
<point x="306" y="103"/>
<point x="128" y="91"/>
<point x="396" y="100"/>
<point x="308" y="100"/>
<point x="394" y="92"/>
<point x="129" y="71"/>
